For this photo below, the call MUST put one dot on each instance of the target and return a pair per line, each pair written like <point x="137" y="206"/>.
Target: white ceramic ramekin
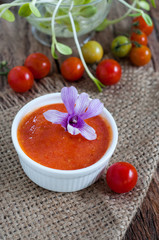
<point x="60" y="180"/>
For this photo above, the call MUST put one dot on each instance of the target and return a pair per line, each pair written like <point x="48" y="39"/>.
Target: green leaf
<point x="102" y="26"/>
<point x="47" y="15"/>
<point x="8" y="15"/>
<point x="46" y="25"/>
<point x="66" y="21"/>
<point x="53" y="51"/>
<point x="79" y="2"/>
<point x="88" y="11"/>
<point x="64" y="49"/>
<point x="86" y="1"/>
<point x="153" y="3"/>
<point x="77" y="26"/>
<point x="134" y="14"/>
<point x="147" y="19"/>
<point x="34" y="10"/>
<point x="144" y="5"/>
<point x="24" y="10"/>
<point x="62" y="12"/>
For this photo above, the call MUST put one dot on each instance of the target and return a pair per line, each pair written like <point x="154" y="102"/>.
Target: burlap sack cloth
<point x="31" y="212"/>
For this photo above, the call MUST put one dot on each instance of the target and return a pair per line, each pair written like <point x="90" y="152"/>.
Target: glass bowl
<point x="86" y="17"/>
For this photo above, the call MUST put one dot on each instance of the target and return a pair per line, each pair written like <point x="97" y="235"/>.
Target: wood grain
<point x="145" y="224"/>
<point x="16" y="42"/>
<point x="154" y="37"/>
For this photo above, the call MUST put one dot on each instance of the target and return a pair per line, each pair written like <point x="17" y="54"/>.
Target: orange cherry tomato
<point x="72" y="69"/>
<point x="140" y="23"/>
<point x="138" y="36"/>
<point x="140" y="55"/>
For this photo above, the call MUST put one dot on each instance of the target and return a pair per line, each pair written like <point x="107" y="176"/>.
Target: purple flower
<point x="79" y="107"/>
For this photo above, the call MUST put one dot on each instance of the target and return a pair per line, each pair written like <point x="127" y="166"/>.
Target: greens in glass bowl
<point x="86" y="16"/>
<point x="71" y="18"/>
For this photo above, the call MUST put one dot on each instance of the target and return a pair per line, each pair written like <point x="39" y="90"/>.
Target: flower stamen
<point x="73" y="121"/>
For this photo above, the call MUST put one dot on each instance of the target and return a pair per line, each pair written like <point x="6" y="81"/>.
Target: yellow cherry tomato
<point x="92" y="52"/>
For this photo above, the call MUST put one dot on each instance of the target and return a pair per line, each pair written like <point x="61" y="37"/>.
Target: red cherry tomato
<point x="20" y="79"/>
<point x="72" y="69"/>
<point x="138" y="36"/>
<point x="140" y="23"/>
<point x="140" y="56"/>
<point x="108" y="71"/>
<point x="38" y="64"/>
<point x="121" y="177"/>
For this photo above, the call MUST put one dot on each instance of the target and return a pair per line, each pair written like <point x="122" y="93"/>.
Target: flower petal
<point x="57" y="117"/>
<point x="95" y="107"/>
<point x="88" y="132"/>
<point x="72" y="130"/>
<point x="82" y="103"/>
<point x="69" y="96"/>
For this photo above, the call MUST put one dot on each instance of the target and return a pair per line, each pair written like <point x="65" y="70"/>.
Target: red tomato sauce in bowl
<point x="50" y="145"/>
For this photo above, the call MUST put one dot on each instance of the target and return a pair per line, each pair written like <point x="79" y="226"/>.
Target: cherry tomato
<point x="20" y="79"/>
<point x="92" y="52"/>
<point x="140" y="23"/>
<point x="138" y="36"/>
<point x="121" y="177"/>
<point x="72" y="69"/>
<point x="108" y="71"/>
<point x="38" y="64"/>
<point x="140" y="56"/>
<point x="121" y="46"/>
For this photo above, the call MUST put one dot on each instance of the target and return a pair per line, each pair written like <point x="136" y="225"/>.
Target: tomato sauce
<point x="50" y="145"/>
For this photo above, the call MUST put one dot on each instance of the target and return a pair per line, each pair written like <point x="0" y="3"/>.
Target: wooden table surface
<point x="17" y="42"/>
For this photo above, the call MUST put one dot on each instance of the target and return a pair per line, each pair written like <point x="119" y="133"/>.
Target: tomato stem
<point x="123" y="44"/>
<point x="136" y="44"/>
<point x="4" y="68"/>
<point x="137" y="31"/>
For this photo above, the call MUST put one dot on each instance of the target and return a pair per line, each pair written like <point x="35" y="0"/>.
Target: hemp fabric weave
<point x="31" y="212"/>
